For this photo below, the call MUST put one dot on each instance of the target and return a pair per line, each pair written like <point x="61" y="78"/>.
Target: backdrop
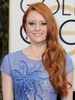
<point x="64" y="13"/>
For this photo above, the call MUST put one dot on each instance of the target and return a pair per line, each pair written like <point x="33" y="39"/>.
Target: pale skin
<point x="36" y="29"/>
<point x="7" y="87"/>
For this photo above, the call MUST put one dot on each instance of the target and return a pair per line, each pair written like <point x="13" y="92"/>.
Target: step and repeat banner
<point x="64" y="13"/>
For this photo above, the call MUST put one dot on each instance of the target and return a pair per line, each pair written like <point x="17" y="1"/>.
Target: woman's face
<point x="36" y="27"/>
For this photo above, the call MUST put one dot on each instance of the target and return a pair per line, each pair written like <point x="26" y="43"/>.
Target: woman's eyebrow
<point x="35" y="21"/>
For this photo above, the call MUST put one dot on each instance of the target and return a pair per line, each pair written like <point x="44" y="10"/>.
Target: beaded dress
<point x="30" y="79"/>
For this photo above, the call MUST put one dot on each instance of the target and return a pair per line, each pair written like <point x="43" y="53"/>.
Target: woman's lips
<point x="37" y="34"/>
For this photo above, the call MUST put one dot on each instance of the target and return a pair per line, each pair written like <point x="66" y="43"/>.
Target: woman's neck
<point x="35" y="51"/>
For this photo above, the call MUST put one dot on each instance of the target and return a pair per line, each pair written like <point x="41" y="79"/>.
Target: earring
<point x="26" y="37"/>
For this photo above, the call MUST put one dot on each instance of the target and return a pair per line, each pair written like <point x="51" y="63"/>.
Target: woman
<point x="42" y="70"/>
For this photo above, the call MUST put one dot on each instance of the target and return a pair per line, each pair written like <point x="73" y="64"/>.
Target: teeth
<point x="37" y="34"/>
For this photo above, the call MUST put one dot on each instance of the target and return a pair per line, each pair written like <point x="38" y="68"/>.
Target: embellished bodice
<point x="30" y="79"/>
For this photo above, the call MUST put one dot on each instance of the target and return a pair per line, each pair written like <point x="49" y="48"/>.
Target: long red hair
<point x="53" y="58"/>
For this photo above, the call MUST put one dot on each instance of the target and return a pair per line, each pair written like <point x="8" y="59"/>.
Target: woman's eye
<point x="31" y="23"/>
<point x="43" y="23"/>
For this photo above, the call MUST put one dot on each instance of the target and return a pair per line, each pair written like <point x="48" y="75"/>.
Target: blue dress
<point x="30" y="79"/>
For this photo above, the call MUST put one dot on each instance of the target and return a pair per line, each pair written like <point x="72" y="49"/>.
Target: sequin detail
<point x="28" y="81"/>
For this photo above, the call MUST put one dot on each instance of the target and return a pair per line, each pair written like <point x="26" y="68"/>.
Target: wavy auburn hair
<point x="53" y="58"/>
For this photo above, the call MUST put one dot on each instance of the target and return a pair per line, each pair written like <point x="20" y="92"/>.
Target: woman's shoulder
<point x="69" y="64"/>
<point x="15" y="53"/>
<point x="68" y="57"/>
<point x="12" y="55"/>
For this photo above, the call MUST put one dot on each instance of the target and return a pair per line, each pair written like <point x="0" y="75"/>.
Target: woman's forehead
<point x="35" y="15"/>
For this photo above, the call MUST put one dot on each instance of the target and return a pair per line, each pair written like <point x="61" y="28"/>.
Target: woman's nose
<point x="37" y="27"/>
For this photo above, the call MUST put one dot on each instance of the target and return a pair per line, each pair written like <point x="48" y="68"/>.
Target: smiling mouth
<point x="37" y="34"/>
